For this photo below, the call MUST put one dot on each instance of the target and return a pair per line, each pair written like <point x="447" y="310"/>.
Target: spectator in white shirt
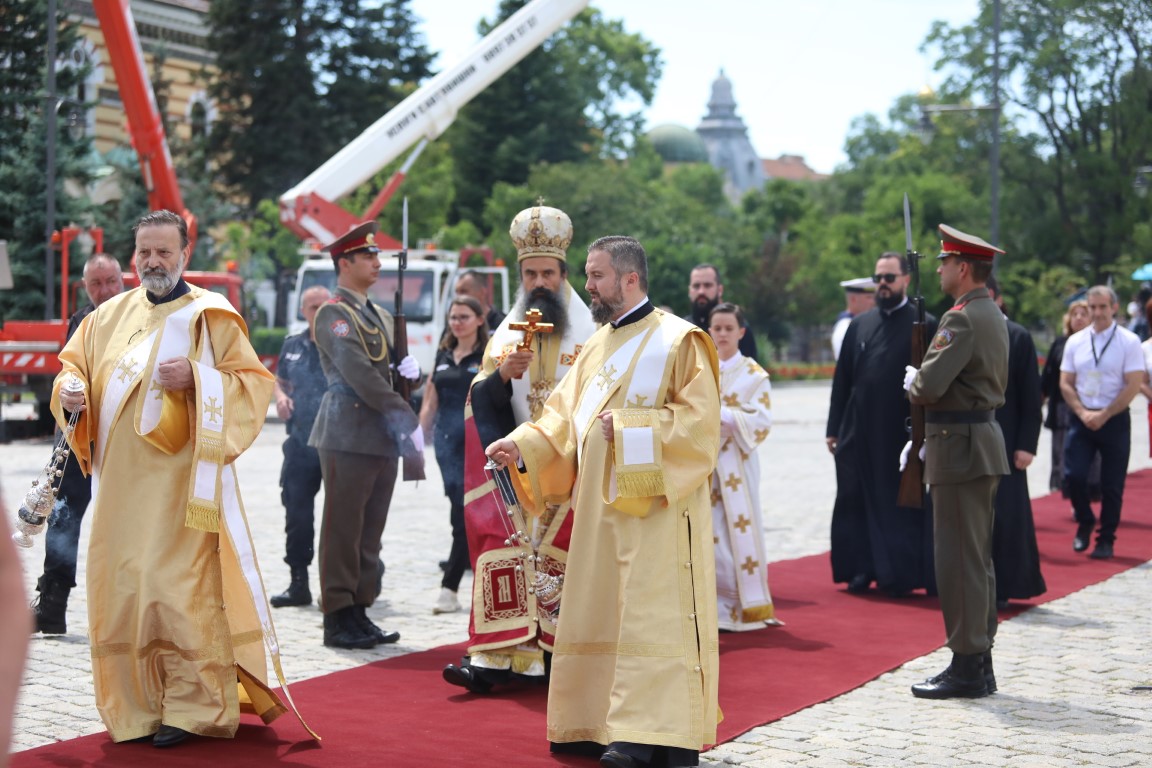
<point x="1102" y="370"/>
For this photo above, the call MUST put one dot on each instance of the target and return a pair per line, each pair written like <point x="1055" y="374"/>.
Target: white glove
<point x="727" y="421"/>
<point x="909" y="376"/>
<point x="908" y="449"/>
<point x="409" y="368"/>
<point x="418" y="438"/>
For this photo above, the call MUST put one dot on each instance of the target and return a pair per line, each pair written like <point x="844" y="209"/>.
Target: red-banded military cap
<point x="953" y="242"/>
<point x="361" y="237"/>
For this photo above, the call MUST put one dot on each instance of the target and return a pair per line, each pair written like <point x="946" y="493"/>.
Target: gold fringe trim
<point x="210" y="449"/>
<point x="635" y="417"/>
<point x="202" y="516"/>
<point x="759" y="613"/>
<point x="637" y="485"/>
<point x="522" y="661"/>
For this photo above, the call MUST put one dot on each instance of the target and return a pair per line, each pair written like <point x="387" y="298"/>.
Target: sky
<point x="801" y="70"/>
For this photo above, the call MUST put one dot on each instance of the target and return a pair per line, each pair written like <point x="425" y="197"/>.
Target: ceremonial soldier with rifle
<point x="960" y="385"/>
<point x="363" y="428"/>
<point x="876" y="538"/>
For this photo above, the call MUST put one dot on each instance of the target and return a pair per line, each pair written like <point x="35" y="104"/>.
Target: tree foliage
<point x="23" y="149"/>
<point x="561" y="103"/>
<point x="1079" y="70"/>
<point x="298" y="79"/>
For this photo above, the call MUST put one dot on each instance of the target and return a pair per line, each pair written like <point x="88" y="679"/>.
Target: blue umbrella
<point x="1144" y="273"/>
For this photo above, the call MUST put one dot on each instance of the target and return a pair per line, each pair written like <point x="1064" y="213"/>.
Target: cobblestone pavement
<point x="1070" y="671"/>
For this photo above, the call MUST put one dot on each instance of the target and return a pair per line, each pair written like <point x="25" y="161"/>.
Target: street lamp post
<point x="926" y="127"/>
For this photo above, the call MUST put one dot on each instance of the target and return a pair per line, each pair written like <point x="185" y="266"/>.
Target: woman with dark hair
<point x="442" y="415"/>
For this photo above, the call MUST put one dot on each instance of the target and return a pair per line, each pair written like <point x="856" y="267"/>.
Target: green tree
<point x="1079" y="69"/>
<point x="559" y="104"/>
<point x="23" y="149"/>
<point x="271" y="128"/>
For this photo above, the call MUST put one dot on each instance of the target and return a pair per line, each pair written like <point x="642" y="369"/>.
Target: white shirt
<point x="1100" y="362"/>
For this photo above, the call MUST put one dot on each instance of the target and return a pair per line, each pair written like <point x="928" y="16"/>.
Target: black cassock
<point x="868" y="415"/>
<point x="1014" y="552"/>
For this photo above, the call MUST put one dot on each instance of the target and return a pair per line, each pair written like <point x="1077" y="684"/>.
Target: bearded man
<point x="509" y="629"/>
<point x="874" y="539"/>
<point x="705" y="291"/>
<point x="170" y="394"/>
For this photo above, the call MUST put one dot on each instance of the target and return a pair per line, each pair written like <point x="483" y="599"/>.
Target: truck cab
<point x="429" y="281"/>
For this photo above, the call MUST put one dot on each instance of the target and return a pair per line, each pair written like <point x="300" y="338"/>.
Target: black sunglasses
<point x="888" y="277"/>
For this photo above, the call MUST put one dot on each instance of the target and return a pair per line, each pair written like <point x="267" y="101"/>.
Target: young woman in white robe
<point x="742" y="595"/>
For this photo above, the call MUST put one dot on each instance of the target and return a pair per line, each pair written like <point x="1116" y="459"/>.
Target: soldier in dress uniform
<point x="961" y="384"/>
<point x="362" y="429"/>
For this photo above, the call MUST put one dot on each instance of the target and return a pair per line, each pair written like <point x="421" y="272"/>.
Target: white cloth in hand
<point x="409" y="368"/>
<point x="727" y="422"/>
<point x="418" y="439"/>
<point x="909" y="376"/>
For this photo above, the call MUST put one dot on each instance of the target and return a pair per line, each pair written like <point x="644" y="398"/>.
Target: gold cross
<point x="716" y="497"/>
<point x="750" y="565"/>
<point x="605" y="376"/>
<point x="213" y="410"/>
<point x="733" y="482"/>
<point x="127" y="370"/>
<point x="742" y="523"/>
<point x="732" y="401"/>
<point x="766" y="400"/>
<point x="637" y="403"/>
<point x="159" y="390"/>
<point x="531" y="326"/>
<point x="759" y="435"/>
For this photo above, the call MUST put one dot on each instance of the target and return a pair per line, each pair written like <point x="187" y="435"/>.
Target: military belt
<point x="958" y="417"/>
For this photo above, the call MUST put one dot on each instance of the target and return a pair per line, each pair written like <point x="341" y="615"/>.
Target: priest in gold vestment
<point x="172" y="393"/>
<point x="632" y="434"/>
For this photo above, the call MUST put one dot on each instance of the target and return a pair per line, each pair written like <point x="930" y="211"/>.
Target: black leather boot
<point x="369" y="628"/>
<point x="51" y="606"/>
<point x="297" y="592"/>
<point x="342" y="631"/>
<point x="989" y="674"/>
<point x="963" y="679"/>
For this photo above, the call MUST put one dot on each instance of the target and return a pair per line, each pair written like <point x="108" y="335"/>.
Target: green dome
<point x="677" y="144"/>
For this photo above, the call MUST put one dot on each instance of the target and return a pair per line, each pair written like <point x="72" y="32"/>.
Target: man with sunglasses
<point x="873" y="539"/>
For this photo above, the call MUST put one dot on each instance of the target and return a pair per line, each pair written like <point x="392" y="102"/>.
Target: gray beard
<point x="603" y="311"/>
<point x="159" y="282"/>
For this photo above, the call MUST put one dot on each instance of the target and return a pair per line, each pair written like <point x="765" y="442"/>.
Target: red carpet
<point x="398" y="713"/>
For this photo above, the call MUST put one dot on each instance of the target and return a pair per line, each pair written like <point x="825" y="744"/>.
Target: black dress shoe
<point x="169" y="736"/>
<point x="466" y="676"/>
<point x="859" y="584"/>
<point x="1103" y="551"/>
<point x="614" y="759"/>
<point x="1080" y="543"/>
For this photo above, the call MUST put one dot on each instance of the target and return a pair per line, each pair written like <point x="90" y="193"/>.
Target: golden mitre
<point x="541" y="231"/>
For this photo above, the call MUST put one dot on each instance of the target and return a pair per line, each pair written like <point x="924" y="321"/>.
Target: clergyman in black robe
<point x="874" y="539"/>
<point x="1014" y="552"/>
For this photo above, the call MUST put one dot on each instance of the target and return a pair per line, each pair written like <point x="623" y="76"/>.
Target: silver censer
<point x="41" y="497"/>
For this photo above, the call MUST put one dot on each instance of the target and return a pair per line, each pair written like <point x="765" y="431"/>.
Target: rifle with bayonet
<point x="911" y="492"/>
<point x="413" y="466"/>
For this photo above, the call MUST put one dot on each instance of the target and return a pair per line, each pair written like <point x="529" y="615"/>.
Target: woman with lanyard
<point x="442" y="413"/>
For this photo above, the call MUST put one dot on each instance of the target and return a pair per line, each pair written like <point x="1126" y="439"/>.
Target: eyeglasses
<point x="887" y="277"/>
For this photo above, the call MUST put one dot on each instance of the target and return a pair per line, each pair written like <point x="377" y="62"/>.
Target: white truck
<point x="429" y="281"/>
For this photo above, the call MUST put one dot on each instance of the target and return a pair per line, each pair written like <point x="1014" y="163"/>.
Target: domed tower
<point x="726" y="138"/>
<point x="677" y="144"/>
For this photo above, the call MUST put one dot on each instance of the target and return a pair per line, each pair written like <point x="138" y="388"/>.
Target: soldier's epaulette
<point x="960" y="306"/>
